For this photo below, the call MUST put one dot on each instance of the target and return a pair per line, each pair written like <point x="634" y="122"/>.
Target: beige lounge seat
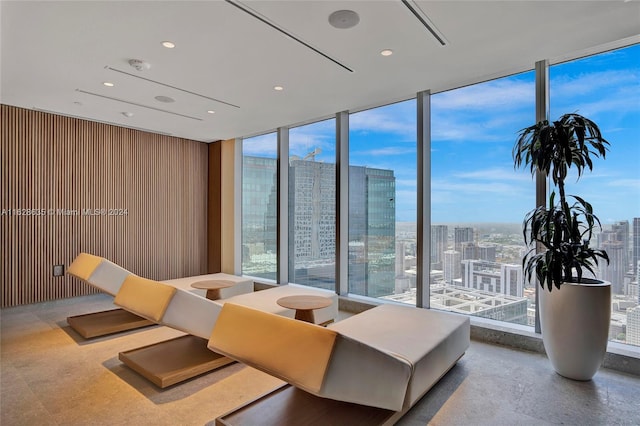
<point x="172" y="361"/>
<point x="385" y="358"/>
<point x="166" y="363"/>
<point x="108" y="277"/>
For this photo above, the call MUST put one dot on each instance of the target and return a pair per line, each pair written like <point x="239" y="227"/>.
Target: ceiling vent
<point x="139" y="64"/>
<point x="344" y="19"/>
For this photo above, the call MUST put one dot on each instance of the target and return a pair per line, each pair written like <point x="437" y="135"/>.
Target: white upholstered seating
<point x="386" y="357"/>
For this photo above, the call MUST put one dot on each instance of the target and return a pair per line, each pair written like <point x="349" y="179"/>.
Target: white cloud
<point x="263" y="145"/>
<point x="632" y="184"/>
<point x="399" y="119"/>
<point x="502" y="94"/>
<point x="386" y="151"/>
<point x="496" y="174"/>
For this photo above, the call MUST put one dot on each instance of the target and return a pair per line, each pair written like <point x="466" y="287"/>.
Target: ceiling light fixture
<point x="108" y="84"/>
<point x="127" y="114"/>
<point x="211" y="111"/>
<point x="344" y="19"/>
<point x="387" y="52"/>
<point x="168" y="44"/>
<point x="278" y="88"/>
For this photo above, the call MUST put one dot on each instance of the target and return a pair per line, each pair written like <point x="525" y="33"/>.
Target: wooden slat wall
<point x="51" y="162"/>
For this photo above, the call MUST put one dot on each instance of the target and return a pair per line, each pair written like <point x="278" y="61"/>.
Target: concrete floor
<point x="51" y="376"/>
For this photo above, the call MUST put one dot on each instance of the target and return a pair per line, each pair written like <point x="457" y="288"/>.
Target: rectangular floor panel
<point x="98" y="324"/>
<point x="173" y="361"/>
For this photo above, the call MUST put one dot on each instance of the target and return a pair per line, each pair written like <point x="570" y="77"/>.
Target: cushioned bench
<point x="108" y="277"/>
<point x="386" y="358"/>
<point x="167" y="363"/>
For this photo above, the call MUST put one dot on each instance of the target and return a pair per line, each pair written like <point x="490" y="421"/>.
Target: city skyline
<point x="481" y="174"/>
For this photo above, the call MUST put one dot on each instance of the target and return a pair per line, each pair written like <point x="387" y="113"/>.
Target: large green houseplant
<point x="562" y="232"/>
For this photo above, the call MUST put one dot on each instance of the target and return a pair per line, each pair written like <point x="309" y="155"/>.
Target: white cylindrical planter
<point x="575" y="326"/>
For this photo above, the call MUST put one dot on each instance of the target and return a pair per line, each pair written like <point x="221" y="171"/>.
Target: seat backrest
<point x="83" y="265"/>
<point x="313" y="358"/>
<point x="145" y="297"/>
<point x="98" y="272"/>
<point x="292" y="350"/>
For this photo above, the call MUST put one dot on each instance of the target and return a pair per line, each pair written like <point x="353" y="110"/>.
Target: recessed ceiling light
<point x="211" y="111"/>
<point x="387" y="52"/>
<point x="168" y="44"/>
<point x="108" y="84"/>
<point x="165" y="99"/>
<point x="278" y="88"/>
<point x="127" y="114"/>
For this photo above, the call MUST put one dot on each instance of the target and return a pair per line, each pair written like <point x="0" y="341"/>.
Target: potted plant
<point x="574" y="317"/>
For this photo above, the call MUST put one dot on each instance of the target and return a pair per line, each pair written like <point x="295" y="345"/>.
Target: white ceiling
<point x="56" y="55"/>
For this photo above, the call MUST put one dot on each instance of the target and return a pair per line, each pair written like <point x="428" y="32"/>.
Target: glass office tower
<point x="312" y="217"/>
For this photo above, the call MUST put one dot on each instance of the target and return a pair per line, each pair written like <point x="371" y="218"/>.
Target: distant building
<point x="452" y="266"/>
<point x="633" y="326"/>
<point x="372" y="225"/>
<point x="616" y="243"/>
<point x="473" y="251"/>
<point x="635" y="255"/>
<point x="472" y="302"/>
<point x="493" y="277"/>
<point x="462" y="235"/>
<point x="259" y="217"/>
<point x="312" y="218"/>
<point x="312" y="223"/>
<point x="439" y="243"/>
<point x="613" y="272"/>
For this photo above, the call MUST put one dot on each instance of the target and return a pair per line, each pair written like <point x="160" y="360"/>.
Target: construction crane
<point x="312" y="155"/>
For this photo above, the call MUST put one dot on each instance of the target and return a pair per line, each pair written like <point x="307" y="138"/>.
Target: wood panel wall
<point x="136" y="198"/>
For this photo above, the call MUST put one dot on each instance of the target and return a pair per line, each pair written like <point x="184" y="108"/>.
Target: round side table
<point x="304" y="305"/>
<point x="213" y="287"/>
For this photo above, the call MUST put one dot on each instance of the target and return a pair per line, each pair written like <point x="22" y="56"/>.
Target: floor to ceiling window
<point x="312" y="204"/>
<point x="479" y="200"/>
<point x="606" y="89"/>
<point x="382" y="202"/>
<point x="259" y="206"/>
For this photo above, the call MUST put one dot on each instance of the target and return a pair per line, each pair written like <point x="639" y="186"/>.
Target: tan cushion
<point x="84" y="265"/>
<point x="144" y="297"/>
<point x="292" y="350"/>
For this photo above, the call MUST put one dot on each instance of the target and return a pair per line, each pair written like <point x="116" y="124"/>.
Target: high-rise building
<point x="462" y="235"/>
<point x="439" y="242"/>
<point x="259" y="217"/>
<point x="633" y="326"/>
<point x="621" y="229"/>
<point x="312" y="222"/>
<point x="635" y="255"/>
<point x="616" y="243"/>
<point x="372" y="224"/>
<point x="614" y="271"/>
<point x="638" y="280"/>
<point x="473" y="251"/>
<point x="493" y="277"/>
<point x="452" y="266"/>
<point x="312" y="218"/>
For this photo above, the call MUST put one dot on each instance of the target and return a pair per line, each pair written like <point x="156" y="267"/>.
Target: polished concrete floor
<point x="51" y="376"/>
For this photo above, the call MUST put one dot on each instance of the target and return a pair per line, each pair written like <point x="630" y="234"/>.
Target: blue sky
<point x="473" y="131"/>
